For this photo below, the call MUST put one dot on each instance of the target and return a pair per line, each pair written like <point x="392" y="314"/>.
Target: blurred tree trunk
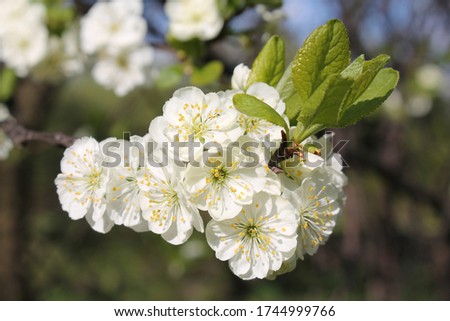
<point x="28" y="107"/>
<point x="9" y="243"/>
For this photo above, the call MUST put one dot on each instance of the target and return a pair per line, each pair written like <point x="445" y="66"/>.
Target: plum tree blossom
<point x="189" y="19"/>
<point x="267" y="192"/>
<point x="166" y="205"/>
<point x="240" y="76"/>
<point x="259" y="239"/>
<point x="224" y="184"/>
<point x="83" y="182"/>
<point x="318" y="203"/>
<point x="124" y="193"/>
<point x="192" y="115"/>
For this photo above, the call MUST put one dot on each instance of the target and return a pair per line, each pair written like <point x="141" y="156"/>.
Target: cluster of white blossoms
<point x="27" y="47"/>
<point x="23" y="34"/>
<point x="190" y="19"/>
<point x="204" y="163"/>
<point x="5" y="142"/>
<point x="114" y="33"/>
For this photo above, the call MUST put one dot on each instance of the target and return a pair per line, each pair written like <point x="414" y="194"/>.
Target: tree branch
<point x="21" y="135"/>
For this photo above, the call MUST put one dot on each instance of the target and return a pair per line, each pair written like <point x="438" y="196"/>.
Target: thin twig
<point x="21" y="135"/>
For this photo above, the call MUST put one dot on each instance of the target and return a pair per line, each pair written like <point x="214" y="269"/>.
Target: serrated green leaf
<point x="330" y="97"/>
<point x="325" y="52"/>
<point x="253" y="107"/>
<point x="355" y="68"/>
<point x="334" y="93"/>
<point x="208" y="74"/>
<point x="288" y="94"/>
<point x="367" y="72"/>
<point x="269" y="66"/>
<point x="376" y="93"/>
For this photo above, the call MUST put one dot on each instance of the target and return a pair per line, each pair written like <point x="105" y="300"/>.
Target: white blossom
<point x="123" y="71"/>
<point x="223" y="184"/>
<point x="23" y="35"/>
<point x="259" y="239"/>
<point x="192" y="114"/>
<point x="63" y="59"/>
<point x="81" y="186"/>
<point x="318" y="202"/>
<point x="419" y="105"/>
<point x="165" y="204"/>
<point x="124" y="193"/>
<point x="333" y="162"/>
<point x="113" y="25"/>
<point x="240" y="76"/>
<point x="429" y="77"/>
<point x="190" y="19"/>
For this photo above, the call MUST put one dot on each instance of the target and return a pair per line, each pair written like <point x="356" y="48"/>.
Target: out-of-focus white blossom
<point x="429" y="77"/>
<point x="190" y="19"/>
<point x="113" y="25"/>
<point x="270" y="15"/>
<point x="114" y="31"/>
<point x="63" y="59"/>
<point x="419" y="105"/>
<point x="23" y="34"/>
<point x="123" y="71"/>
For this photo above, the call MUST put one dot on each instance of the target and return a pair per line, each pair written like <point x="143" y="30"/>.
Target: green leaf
<point x="269" y="66"/>
<point x="355" y="68"/>
<point x="7" y="83"/>
<point x="208" y="74"/>
<point x="329" y="97"/>
<point x="170" y="76"/>
<point x="288" y="94"/>
<point x="376" y="93"/>
<point x="333" y="95"/>
<point x="364" y="75"/>
<point x="253" y="107"/>
<point x="325" y="52"/>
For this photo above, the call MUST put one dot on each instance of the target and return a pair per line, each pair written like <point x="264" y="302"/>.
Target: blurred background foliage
<point x="393" y="241"/>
